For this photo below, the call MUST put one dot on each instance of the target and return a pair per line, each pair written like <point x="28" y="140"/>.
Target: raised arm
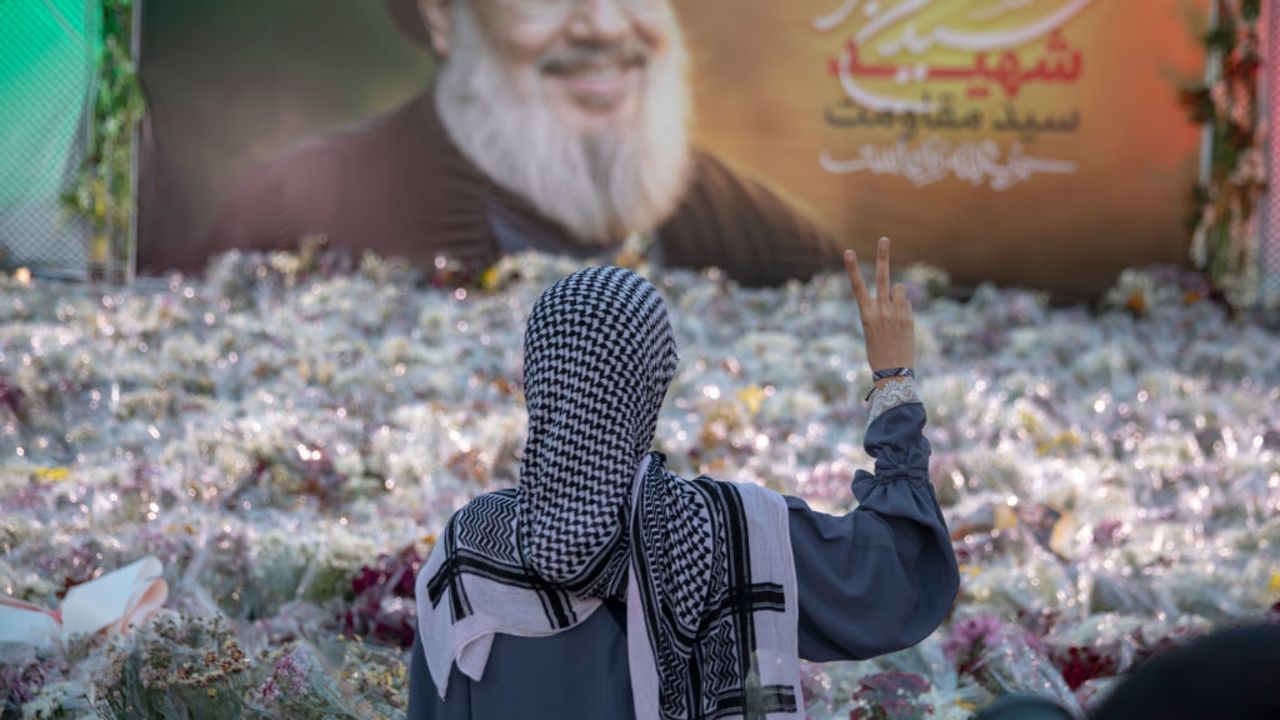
<point x="883" y="576"/>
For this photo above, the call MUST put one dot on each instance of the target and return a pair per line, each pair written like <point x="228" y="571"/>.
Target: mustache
<point x="581" y="56"/>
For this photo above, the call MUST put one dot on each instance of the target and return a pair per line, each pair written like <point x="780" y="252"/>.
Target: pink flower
<point x="976" y="632"/>
<point x="969" y="638"/>
<point x="288" y="674"/>
<point x="891" y="695"/>
<point x="1220" y="94"/>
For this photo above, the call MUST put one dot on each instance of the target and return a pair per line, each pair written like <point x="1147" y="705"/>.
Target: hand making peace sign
<point x="888" y="322"/>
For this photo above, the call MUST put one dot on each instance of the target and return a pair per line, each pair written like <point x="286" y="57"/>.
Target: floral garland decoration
<point x="1224" y="219"/>
<point x="103" y="192"/>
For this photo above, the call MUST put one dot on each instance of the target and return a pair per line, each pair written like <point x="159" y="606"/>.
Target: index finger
<point x="855" y="278"/>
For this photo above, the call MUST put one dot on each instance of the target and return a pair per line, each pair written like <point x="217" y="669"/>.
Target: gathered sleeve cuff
<point x="882" y="577"/>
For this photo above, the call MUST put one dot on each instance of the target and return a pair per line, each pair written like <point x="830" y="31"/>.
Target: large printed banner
<point x="1034" y="142"/>
<point x="1027" y="141"/>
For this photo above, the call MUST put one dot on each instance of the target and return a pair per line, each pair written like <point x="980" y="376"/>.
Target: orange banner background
<point x="762" y="82"/>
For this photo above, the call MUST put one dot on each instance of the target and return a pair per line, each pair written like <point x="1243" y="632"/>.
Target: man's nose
<point x="599" y="21"/>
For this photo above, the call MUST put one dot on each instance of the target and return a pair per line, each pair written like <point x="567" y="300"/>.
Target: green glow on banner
<point x="48" y="61"/>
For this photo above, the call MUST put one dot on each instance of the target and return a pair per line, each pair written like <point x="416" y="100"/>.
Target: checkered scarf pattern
<point x="598" y="358"/>
<point x="705" y="566"/>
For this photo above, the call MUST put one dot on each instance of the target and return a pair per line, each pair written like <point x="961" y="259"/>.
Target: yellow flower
<point x="52" y="474"/>
<point x="1137" y="302"/>
<point x="1006" y="517"/>
<point x="753" y="397"/>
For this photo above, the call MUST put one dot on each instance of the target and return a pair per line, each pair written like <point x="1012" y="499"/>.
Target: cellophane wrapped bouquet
<point x="289" y="433"/>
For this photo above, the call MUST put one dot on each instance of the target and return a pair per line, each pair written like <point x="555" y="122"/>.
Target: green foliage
<point x="1224" y="218"/>
<point x="102" y="192"/>
<point x="177" y="667"/>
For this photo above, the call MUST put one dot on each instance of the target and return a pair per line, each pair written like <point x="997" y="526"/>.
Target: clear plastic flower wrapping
<point x="270" y="431"/>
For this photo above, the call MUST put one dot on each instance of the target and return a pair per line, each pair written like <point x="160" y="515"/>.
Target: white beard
<point x="600" y="185"/>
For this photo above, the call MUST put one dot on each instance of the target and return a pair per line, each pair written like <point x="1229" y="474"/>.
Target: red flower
<point x="1081" y="664"/>
<point x="383" y="608"/>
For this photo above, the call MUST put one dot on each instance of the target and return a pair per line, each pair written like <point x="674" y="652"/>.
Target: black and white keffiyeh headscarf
<point x="705" y="566"/>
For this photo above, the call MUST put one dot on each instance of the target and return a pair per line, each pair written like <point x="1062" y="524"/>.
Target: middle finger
<point x="882" y="270"/>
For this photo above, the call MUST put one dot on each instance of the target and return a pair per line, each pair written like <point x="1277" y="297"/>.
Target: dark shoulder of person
<point x="732" y="221"/>
<point x="327" y="184"/>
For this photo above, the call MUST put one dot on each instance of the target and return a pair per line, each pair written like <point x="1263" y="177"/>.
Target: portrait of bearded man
<point x="554" y="125"/>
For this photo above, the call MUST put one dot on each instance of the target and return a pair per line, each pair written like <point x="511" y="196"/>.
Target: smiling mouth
<point x="599" y="86"/>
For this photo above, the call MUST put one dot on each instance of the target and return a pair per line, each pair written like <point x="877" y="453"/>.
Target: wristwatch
<point x="883" y="373"/>
<point x="892" y="372"/>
